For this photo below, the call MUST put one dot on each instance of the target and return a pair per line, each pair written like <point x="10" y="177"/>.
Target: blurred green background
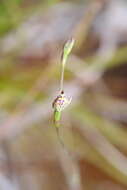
<point x="93" y="127"/>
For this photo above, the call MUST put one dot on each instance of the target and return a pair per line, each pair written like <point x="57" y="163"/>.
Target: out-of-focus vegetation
<point x="32" y="34"/>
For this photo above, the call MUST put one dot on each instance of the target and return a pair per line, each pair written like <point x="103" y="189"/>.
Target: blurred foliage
<point x="94" y="156"/>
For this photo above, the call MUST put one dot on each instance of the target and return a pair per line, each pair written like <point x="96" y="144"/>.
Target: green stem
<point x="62" y="74"/>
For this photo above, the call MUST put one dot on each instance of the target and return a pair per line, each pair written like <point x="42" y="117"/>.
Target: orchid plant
<point x="61" y="101"/>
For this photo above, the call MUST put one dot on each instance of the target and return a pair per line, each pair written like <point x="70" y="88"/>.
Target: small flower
<point x="61" y="102"/>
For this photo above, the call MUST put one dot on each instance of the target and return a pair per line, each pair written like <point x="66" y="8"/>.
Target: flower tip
<point x="69" y="45"/>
